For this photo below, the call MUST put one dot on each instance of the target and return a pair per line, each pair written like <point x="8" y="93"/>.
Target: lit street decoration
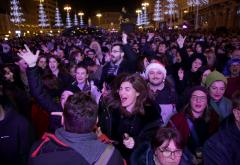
<point x="16" y="12"/>
<point x="43" y="21"/>
<point x="58" y="19"/>
<point x="75" y="20"/>
<point x="197" y="3"/>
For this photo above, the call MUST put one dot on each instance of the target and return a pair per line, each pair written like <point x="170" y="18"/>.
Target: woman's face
<point x="53" y="64"/>
<point x="235" y="69"/>
<point x="198" y="48"/>
<point x="128" y="95"/>
<point x="8" y="74"/>
<point x="42" y="63"/>
<point x="196" y="64"/>
<point x="217" y="90"/>
<point x="169" y="155"/>
<point x="79" y="57"/>
<point x="81" y="75"/>
<point x="198" y="101"/>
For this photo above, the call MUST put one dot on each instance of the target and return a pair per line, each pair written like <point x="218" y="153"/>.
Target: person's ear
<point x="122" y="54"/>
<point x="137" y="94"/>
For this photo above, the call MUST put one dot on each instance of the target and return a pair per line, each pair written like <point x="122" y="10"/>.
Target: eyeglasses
<point x="200" y="98"/>
<point x="115" y="51"/>
<point x="167" y="153"/>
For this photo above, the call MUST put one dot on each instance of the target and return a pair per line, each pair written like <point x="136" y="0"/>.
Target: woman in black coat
<point x="124" y="123"/>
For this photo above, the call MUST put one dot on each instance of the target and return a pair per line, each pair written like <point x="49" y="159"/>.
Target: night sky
<point x="90" y="7"/>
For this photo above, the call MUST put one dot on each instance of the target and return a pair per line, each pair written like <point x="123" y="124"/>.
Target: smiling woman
<point x="196" y="122"/>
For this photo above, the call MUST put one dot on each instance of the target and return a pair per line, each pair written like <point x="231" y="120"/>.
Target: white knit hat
<point x="156" y="66"/>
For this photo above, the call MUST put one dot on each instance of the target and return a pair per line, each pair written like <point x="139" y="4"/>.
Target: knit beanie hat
<point x="158" y="66"/>
<point x="215" y="76"/>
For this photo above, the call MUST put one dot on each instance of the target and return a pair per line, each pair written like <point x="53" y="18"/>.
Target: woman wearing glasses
<point x="196" y="123"/>
<point x="166" y="148"/>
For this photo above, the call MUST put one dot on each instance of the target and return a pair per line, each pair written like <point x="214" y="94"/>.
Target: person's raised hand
<point x="124" y="38"/>
<point x="27" y="55"/>
<point x="181" y="41"/>
<point x="150" y="36"/>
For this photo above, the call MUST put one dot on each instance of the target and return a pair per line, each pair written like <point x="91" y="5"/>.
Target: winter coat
<point x="15" y="138"/>
<point x="71" y="148"/>
<point x="204" y="127"/>
<point x="114" y="124"/>
<point x="223" y="147"/>
<point x="43" y="98"/>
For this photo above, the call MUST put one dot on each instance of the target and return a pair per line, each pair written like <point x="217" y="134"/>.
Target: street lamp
<point x="145" y="16"/>
<point x="99" y="15"/>
<point x="81" y="14"/>
<point x="68" y="8"/>
<point x="139" y="20"/>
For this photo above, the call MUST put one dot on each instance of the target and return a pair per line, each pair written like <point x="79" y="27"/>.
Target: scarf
<point x="87" y="145"/>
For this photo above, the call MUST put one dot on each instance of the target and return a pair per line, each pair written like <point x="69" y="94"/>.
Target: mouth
<point x="198" y="106"/>
<point x="123" y="99"/>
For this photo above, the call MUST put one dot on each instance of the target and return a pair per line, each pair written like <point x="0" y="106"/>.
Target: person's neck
<point x="234" y="75"/>
<point x="56" y="72"/>
<point x="159" y="87"/>
<point x="2" y="114"/>
<point x="130" y="108"/>
<point x="118" y="62"/>
<point x="196" y="115"/>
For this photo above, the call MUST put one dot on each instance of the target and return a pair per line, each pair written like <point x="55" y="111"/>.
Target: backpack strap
<point x="46" y="138"/>
<point x="193" y="131"/>
<point x="105" y="156"/>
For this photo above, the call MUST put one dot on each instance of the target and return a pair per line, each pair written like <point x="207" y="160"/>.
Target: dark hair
<point x="167" y="134"/>
<point x="236" y="99"/>
<point x="120" y="46"/>
<point x="91" y="50"/>
<point x="80" y="113"/>
<point x="140" y="85"/>
<point x="74" y="54"/>
<point x="50" y="81"/>
<point x="40" y="57"/>
<point x="82" y="65"/>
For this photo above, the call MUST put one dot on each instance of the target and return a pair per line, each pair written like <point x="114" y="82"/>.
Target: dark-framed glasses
<point x="198" y="98"/>
<point x="167" y="153"/>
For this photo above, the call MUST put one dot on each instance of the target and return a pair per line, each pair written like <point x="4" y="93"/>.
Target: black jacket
<point x="223" y="147"/>
<point x="114" y="124"/>
<point x="55" y="152"/>
<point x="15" y="138"/>
<point x="128" y="64"/>
<point x="43" y="98"/>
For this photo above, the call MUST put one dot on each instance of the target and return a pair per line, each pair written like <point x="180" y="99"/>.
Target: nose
<point x="172" y="156"/>
<point x="198" y="100"/>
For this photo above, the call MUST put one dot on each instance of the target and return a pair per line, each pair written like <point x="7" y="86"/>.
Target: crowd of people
<point x="152" y="98"/>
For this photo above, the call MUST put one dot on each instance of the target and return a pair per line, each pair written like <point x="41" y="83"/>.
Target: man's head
<point x="156" y="74"/>
<point x="80" y="113"/>
<point x="117" y="53"/>
<point x="91" y="53"/>
<point x="162" y="48"/>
